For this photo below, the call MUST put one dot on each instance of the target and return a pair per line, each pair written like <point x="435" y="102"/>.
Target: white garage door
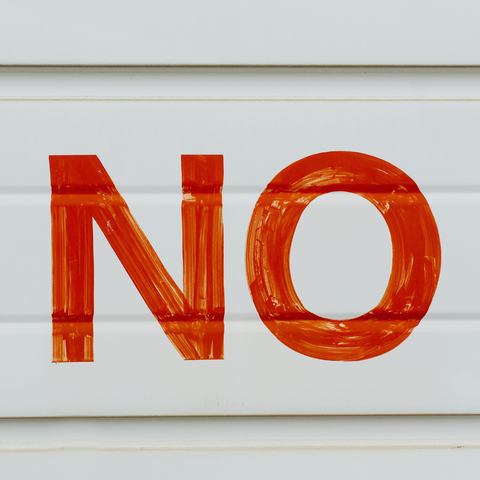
<point x="235" y="341"/>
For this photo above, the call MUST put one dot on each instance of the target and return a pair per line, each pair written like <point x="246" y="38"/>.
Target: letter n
<point x="82" y="191"/>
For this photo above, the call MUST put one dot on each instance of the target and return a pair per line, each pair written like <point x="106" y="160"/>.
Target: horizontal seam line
<point x="237" y="65"/>
<point x="236" y="99"/>
<point x="222" y="445"/>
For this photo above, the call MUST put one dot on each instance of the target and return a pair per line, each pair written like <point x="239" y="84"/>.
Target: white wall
<point x="265" y="32"/>
<point x="240" y="447"/>
<point x="139" y="121"/>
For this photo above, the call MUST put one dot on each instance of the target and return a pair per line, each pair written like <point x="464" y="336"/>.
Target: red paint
<point x="82" y="191"/>
<point x="415" y="265"/>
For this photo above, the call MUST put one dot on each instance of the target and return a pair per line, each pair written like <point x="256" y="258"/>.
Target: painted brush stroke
<point x="415" y="263"/>
<point x="82" y="191"/>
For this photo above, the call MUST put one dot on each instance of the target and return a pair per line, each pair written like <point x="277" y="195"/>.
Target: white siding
<point x="417" y="120"/>
<point x="139" y="121"/>
<point x="242" y="447"/>
<point x="251" y="32"/>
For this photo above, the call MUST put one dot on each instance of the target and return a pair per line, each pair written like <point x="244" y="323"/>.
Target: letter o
<point x="415" y="261"/>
